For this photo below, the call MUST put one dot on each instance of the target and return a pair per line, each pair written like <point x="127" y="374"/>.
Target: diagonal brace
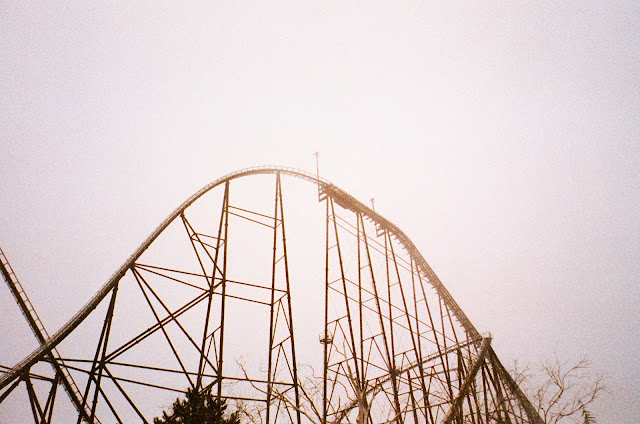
<point x="464" y="390"/>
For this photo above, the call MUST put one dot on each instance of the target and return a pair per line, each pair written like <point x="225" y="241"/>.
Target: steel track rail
<point x="327" y="188"/>
<point x="29" y="312"/>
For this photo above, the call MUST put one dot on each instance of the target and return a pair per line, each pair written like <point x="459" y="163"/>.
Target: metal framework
<point x="206" y="302"/>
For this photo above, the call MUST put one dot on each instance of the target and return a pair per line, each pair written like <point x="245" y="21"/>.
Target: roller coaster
<point x="210" y="301"/>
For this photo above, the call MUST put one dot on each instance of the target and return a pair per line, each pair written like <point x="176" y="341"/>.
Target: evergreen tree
<point x="198" y="408"/>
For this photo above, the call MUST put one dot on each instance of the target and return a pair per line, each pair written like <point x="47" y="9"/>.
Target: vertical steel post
<point x="358" y="231"/>
<point x="393" y="370"/>
<point x="272" y="302"/>
<point x="353" y="349"/>
<point x="212" y="287"/>
<point x="98" y="365"/>
<point x="294" y="361"/>
<point x="223" y="301"/>
<point x="326" y="336"/>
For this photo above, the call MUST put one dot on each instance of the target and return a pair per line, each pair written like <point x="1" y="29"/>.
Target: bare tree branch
<point x="561" y="390"/>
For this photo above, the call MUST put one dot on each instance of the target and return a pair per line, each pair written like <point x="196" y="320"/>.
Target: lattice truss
<point x="209" y="301"/>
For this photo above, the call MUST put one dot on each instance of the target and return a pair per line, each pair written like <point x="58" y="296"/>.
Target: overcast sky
<point x="502" y="137"/>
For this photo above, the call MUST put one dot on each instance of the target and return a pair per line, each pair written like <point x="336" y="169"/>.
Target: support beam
<point x="456" y="406"/>
<point x="41" y="334"/>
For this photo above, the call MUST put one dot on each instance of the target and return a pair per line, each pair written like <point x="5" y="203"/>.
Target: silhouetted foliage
<point x="198" y="408"/>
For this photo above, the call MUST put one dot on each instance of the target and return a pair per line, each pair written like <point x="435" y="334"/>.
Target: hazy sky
<point x="502" y="137"/>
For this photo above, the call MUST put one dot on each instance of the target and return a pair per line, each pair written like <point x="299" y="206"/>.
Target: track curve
<point x="347" y="202"/>
<point x="343" y="198"/>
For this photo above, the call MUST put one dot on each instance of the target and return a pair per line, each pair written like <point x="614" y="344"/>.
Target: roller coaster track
<point x="38" y="329"/>
<point x="478" y="381"/>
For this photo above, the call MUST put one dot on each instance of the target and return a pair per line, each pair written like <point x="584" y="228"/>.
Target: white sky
<point x="503" y="138"/>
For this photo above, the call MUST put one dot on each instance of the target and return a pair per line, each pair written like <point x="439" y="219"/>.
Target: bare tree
<point x="311" y="395"/>
<point x="310" y="392"/>
<point x="561" y="391"/>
